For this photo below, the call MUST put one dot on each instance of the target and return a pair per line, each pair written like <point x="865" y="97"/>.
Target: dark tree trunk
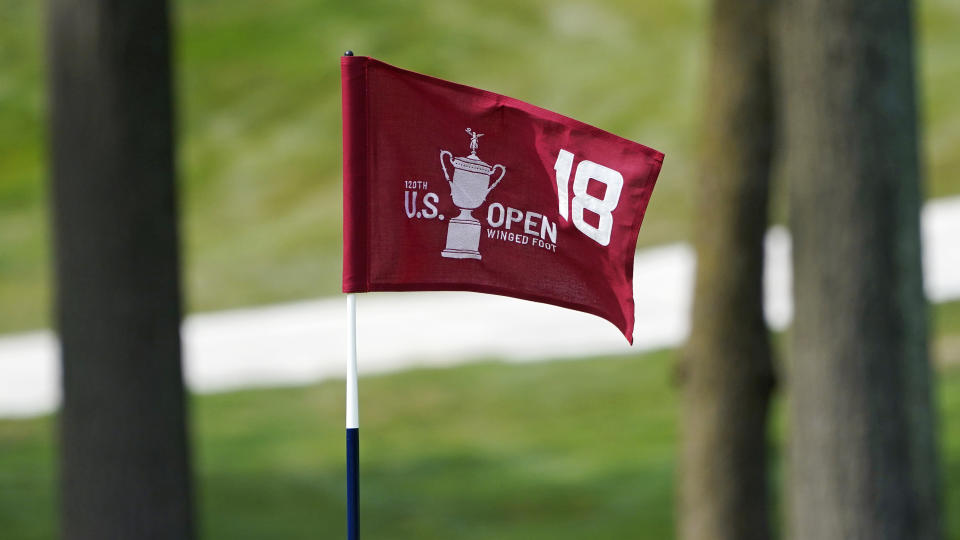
<point x="123" y="442"/>
<point x="862" y="453"/>
<point x="727" y="372"/>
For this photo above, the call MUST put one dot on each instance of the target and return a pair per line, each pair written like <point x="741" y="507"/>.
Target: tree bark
<point x="727" y="371"/>
<point x="123" y="441"/>
<point x="862" y="452"/>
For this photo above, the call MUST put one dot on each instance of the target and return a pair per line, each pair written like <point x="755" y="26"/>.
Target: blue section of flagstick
<point x="353" y="484"/>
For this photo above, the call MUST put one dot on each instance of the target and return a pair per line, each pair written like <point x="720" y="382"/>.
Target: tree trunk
<point x="123" y="441"/>
<point x="862" y="453"/>
<point x="727" y="372"/>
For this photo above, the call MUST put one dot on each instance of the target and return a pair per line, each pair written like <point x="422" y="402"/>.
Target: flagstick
<point x="353" y="425"/>
<point x="353" y="419"/>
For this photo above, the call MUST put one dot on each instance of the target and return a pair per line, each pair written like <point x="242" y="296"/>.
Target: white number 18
<point x="586" y="171"/>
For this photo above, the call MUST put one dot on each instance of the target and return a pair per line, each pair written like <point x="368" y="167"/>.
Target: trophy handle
<point x="502" y="174"/>
<point x="444" y="166"/>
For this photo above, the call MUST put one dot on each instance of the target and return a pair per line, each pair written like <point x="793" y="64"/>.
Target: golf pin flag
<point x="452" y="188"/>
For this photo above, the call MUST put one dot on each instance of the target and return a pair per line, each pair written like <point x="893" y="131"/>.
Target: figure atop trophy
<point x="469" y="188"/>
<point x="473" y="141"/>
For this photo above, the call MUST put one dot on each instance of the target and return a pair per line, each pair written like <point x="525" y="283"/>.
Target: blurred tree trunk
<point x="123" y="442"/>
<point x="862" y="454"/>
<point x="727" y="371"/>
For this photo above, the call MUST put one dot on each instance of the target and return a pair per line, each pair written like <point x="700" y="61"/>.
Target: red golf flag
<point x="448" y="187"/>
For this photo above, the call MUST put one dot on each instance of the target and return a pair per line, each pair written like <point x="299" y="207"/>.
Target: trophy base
<point x="461" y="254"/>
<point x="463" y="238"/>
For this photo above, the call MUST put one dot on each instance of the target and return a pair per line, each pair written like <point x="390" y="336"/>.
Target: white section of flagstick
<point x="300" y="342"/>
<point x="353" y="405"/>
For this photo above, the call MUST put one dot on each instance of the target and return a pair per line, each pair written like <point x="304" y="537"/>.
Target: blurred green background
<point x="558" y="450"/>
<point x="445" y="452"/>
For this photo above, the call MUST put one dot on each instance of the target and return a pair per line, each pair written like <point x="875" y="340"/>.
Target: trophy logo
<point x="469" y="188"/>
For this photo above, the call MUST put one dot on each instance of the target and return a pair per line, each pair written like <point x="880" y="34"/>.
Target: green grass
<point x="561" y="450"/>
<point x="258" y="91"/>
<point x="445" y="455"/>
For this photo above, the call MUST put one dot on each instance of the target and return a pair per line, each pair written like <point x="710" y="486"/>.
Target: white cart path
<point x="303" y="342"/>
